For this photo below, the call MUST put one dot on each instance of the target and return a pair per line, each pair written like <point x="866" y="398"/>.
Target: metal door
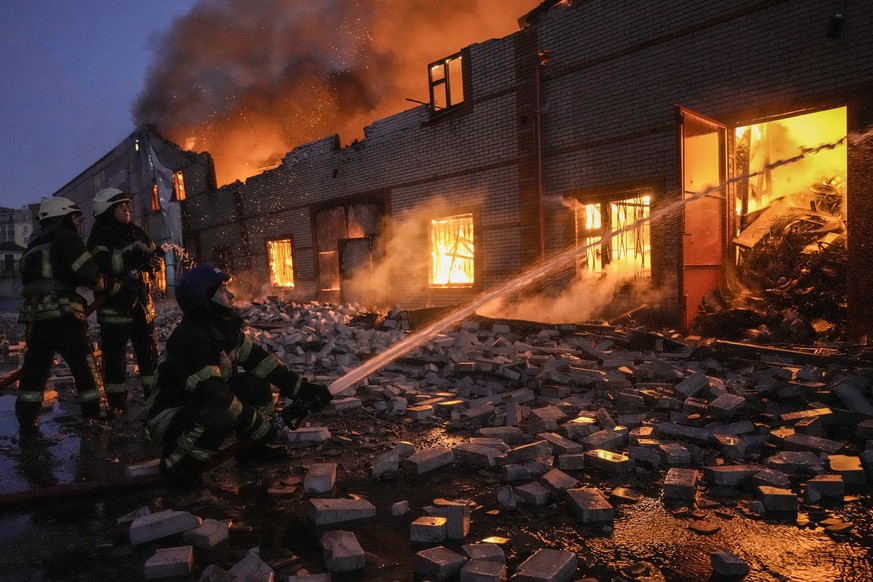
<point x="356" y="270"/>
<point x="702" y="148"/>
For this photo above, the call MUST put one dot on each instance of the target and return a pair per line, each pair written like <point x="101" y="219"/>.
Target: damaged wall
<point x="608" y="90"/>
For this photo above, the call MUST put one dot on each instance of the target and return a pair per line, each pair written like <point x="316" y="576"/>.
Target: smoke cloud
<point x="248" y="80"/>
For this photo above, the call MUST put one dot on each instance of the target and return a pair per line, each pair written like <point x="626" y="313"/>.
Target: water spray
<point x="540" y="270"/>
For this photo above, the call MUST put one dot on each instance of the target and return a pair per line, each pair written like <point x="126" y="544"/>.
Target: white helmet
<point x="107" y="198"/>
<point x="57" y="206"/>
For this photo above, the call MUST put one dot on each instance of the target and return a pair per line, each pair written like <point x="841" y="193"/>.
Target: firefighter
<point x="54" y="264"/>
<point x="128" y="259"/>
<point x="200" y="397"/>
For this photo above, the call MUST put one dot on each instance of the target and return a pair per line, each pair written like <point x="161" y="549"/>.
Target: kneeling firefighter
<point x="54" y="264"/>
<point x="199" y="397"/>
<point x="128" y="259"/>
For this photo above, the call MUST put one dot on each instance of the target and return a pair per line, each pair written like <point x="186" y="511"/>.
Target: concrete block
<point x="457" y="514"/>
<point x="427" y="529"/>
<point x="849" y="467"/>
<point x="142" y="469"/>
<point x="385" y="465"/>
<point x="475" y="455"/>
<point x="506" y="499"/>
<point x="210" y="533"/>
<point x="484" y="551"/>
<point x="826" y="486"/>
<point x="608" y="461"/>
<point x="310" y="434"/>
<point x="590" y="505"/>
<point x="547" y="565"/>
<point x="529" y="451"/>
<point x="681" y="484"/>
<point x="161" y="524"/>
<point x="213" y="573"/>
<point x="400" y="508"/>
<point x="693" y="384"/>
<point x="320" y="478"/>
<point x="644" y="456"/>
<point x="341" y="551"/>
<point x="730" y="475"/>
<point x="777" y="499"/>
<point x="726" y="406"/>
<point x="608" y="439"/>
<point x="561" y="445"/>
<point x="675" y="454"/>
<point x="438" y="563"/>
<point x="428" y="460"/>
<point x="725" y="563"/>
<point x="483" y="571"/>
<point x="805" y="442"/>
<point x="793" y="462"/>
<point x="508" y="434"/>
<point x="558" y="482"/>
<point x="772" y="478"/>
<point x="571" y="462"/>
<point x="252" y="568"/>
<point x="309" y="578"/>
<point x="327" y="511"/>
<point x="534" y="494"/>
<point x="170" y="562"/>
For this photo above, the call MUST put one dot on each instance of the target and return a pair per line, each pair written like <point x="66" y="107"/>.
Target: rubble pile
<point x="584" y="417"/>
<point x="791" y="271"/>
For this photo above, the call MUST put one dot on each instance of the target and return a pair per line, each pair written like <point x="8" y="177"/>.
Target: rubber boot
<point x="27" y="414"/>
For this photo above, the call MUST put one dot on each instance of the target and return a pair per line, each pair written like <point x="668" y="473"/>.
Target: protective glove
<point x="310" y="397"/>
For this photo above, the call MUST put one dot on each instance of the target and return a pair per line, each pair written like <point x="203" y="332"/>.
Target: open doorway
<point x="789" y="240"/>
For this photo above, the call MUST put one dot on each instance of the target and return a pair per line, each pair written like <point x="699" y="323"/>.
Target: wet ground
<point x="73" y="535"/>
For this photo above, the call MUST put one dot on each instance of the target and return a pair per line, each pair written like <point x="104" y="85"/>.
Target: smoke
<point x="248" y="80"/>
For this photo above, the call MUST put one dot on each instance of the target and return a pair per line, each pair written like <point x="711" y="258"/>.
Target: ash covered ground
<point x="694" y="447"/>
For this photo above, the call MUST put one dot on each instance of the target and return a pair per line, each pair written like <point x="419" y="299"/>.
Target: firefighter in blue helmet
<point x="200" y="397"/>
<point x="55" y="263"/>
<point x="128" y="260"/>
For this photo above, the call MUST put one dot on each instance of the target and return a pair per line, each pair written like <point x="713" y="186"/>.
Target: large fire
<point x="248" y="81"/>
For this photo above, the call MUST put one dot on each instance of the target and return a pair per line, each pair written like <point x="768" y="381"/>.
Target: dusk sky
<point x="69" y="72"/>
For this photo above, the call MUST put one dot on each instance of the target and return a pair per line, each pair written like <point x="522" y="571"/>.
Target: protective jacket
<point x="122" y="252"/>
<point x="200" y="366"/>
<point x="54" y="264"/>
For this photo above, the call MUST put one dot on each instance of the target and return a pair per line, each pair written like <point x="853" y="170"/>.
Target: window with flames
<point x="281" y="263"/>
<point x="616" y="235"/>
<point x="179" y="185"/>
<point x="452" y="256"/>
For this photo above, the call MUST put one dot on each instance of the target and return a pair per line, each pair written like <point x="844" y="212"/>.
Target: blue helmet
<point x="197" y="286"/>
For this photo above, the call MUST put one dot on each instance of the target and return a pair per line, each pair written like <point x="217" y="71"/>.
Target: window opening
<point x="156" y="199"/>
<point x="179" y="185"/>
<point x="452" y="251"/>
<point x="281" y="263"/>
<point x="615" y="233"/>
<point x="446" y="82"/>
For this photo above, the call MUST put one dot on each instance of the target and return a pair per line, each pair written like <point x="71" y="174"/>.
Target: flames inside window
<point x="616" y="234"/>
<point x="452" y="251"/>
<point x="281" y="263"/>
<point x="179" y="185"/>
<point x="156" y="199"/>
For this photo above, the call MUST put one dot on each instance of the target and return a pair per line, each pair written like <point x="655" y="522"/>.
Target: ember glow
<point x="281" y="263"/>
<point x="248" y="81"/>
<point x="452" y="251"/>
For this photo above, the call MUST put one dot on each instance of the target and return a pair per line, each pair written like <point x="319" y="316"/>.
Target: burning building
<point x="158" y="175"/>
<point x="682" y="153"/>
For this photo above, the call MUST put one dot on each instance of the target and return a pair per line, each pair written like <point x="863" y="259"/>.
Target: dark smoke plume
<point x="248" y="80"/>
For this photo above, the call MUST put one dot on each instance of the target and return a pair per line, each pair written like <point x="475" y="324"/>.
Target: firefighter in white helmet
<point x="128" y="259"/>
<point x="54" y="264"/>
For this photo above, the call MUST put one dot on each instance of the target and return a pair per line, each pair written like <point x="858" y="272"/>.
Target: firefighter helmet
<point x="107" y="198"/>
<point x="197" y="286"/>
<point x="57" y="207"/>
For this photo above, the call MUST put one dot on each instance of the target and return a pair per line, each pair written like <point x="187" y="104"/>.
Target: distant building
<point x="158" y="175"/>
<point x="16" y="226"/>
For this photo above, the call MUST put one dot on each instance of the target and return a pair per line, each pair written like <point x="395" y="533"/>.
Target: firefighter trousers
<point x="68" y="337"/>
<point x="113" y="343"/>
<point x="191" y="434"/>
